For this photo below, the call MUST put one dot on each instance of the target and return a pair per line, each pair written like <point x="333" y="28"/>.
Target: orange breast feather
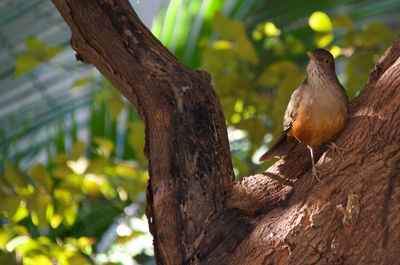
<point x="313" y="131"/>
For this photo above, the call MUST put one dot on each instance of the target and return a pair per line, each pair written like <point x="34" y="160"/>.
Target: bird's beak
<point x="311" y="56"/>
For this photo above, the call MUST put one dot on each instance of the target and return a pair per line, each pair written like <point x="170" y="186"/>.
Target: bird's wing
<point x="282" y="146"/>
<point x="293" y="108"/>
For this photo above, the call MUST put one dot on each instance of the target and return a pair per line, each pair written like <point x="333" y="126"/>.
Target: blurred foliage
<point x="36" y="53"/>
<point x="41" y="207"/>
<point x="58" y="213"/>
<point x="254" y="90"/>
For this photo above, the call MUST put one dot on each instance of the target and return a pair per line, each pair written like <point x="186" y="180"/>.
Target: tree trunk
<point x="197" y="213"/>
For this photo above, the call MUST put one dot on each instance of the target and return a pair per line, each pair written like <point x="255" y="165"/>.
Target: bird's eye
<point x="326" y="61"/>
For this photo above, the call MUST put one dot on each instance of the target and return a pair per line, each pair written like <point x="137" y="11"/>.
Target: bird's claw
<point x="335" y="148"/>
<point x="315" y="174"/>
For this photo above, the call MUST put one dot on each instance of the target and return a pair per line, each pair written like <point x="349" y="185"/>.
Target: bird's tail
<point x="279" y="149"/>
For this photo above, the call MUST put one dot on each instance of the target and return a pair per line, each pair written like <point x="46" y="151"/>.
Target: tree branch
<point x="309" y="229"/>
<point x="186" y="140"/>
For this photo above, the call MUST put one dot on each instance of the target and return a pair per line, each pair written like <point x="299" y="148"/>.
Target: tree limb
<point x="186" y="139"/>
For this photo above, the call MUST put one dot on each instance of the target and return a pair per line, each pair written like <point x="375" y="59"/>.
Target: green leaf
<point x="40" y="175"/>
<point x="77" y="260"/>
<point x="37" y="203"/>
<point x="36" y="53"/>
<point x="42" y="51"/>
<point x="343" y="22"/>
<point x="106" y="145"/>
<point x="294" y="45"/>
<point x="80" y="82"/>
<point x="6" y="188"/>
<point x="257" y="35"/>
<point x="276" y="44"/>
<point x="96" y="165"/>
<point x="7" y="258"/>
<point x="15" y="176"/>
<point x="78" y="150"/>
<point x="126" y="171"/>
<point x="115" y="106"/>
<point x="24" y="63"/>
<point x="228" y="28"/>
<point x="21" y="213"/>
<point x="234" y="31"/>
<point x="66" y="208"/>
<point x="52" y="51"/>
<point x="245" y="50"/>
<point x="35" y="45"/>
<point x="70" y="214"/>
<point x="376" y="33"/>
<point x="268" y="78"/>
<point x="320" y="22"/>
<point x="62" y="171"/>
<point x="61" y="158"/>
<point x="9" y="205"/>
<point x="136" y="139"/>
<point x="219" y="62"/>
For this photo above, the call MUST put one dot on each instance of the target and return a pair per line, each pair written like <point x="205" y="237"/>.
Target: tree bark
<point x="197" y="213"/>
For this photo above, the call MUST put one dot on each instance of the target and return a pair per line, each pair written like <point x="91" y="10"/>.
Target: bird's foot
<point x="335" y="148"/>
<point x="315" y="174"/>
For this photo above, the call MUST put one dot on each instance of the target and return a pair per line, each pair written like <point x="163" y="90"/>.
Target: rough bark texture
<point x="197" y="213"/>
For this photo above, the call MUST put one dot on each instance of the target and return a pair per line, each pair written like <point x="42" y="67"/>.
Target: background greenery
<point x="77" y="194"/>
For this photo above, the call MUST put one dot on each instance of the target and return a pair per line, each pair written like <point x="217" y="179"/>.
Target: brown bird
<point x="317" y="109"/>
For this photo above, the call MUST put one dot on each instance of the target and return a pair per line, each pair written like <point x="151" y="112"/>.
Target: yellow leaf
<point x="236" y="118"/>
<point x="320" y="22"/>
<point x="271" y="30"/>
<point x="80" y="82"/>
<point x="55" y="220"/>
<point x="323" y="39"/>
<point x="335" y="51"/>
<point x="92" y="184"/>
<point x="39" y="259"/>
<point x="222" y="45"/>
<point x="126" y="171"/>
<point x="257" y="35"/>
<point x="238" y="105"/>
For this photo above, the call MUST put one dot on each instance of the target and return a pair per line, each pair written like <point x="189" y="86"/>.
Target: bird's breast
<point x="320" y="116"/>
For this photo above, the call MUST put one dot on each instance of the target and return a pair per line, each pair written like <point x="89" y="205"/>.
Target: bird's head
<point x="321" y="63"/>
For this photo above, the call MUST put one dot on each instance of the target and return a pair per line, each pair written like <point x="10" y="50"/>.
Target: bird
<point x="317" y="109"/>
